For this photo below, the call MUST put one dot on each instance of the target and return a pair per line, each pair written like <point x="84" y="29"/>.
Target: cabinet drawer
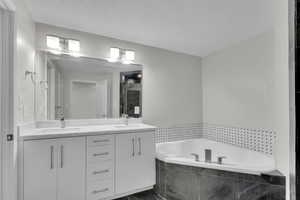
<point x="99" y="189"/>
<point x="100" y="171"/>
<point x="100" y="153"/>
<point x="100" y="140"/>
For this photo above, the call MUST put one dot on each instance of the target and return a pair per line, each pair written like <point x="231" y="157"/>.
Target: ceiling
<point x="196" y="27"/>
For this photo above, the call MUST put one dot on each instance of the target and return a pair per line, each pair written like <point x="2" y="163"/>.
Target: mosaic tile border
<point x="179" y="132"/>
<point x="260" y="140"/>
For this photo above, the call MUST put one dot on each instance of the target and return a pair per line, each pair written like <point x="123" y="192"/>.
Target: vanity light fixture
<point x="73" y="45"/>
<point x="128" y="57"/>
<point x="114" y="54"/>
<point x="53" y="42"/>
<point x="58" y="45"/>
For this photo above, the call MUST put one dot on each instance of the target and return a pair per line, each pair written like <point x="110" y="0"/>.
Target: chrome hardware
<point x="61" y="156"/>
<point x="220" y="159"/>
<point x="100" y="154"/>
<point x="97" y="141"/>
<point x="51" y="157"/>
<point x="98" y="191"/>
<point x="101" y="172"/>
<point x="196" y="156"/>
<point x="133" y="150"/>
<point x="126" y="117"/>
<point x="140" y="146"/>
<point x="62" y="122"/>
<point x="208" y="155"/>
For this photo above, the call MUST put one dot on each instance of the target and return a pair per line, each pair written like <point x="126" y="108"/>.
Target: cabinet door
<point x="145" y="160"/>
<point x="135" y="161"/>
<point x="71" y="168"/>
<point x="126" y="152"/>
<point x="40" y="170"/>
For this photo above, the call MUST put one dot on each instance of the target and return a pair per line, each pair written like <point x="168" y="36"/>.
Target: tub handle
<point x="196" y="156"/>
<point x="220" y="159"/>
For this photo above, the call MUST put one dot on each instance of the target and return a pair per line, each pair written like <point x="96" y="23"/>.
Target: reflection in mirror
<point x="88" y="88"/>
<point x="131" y="93"/>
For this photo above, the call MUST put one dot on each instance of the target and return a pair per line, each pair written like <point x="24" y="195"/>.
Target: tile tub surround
<point x="179" y="182"/>
<point x="256" y="139"/>
<point x="178" y="132"/>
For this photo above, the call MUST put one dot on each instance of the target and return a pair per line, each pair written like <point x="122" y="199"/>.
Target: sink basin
<point x="58" y="130"/>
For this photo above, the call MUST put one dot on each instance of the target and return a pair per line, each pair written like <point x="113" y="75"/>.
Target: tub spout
<point x="196" y="156"/>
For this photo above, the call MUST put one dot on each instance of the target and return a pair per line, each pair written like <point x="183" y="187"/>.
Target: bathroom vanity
<point x="98" y="162"/>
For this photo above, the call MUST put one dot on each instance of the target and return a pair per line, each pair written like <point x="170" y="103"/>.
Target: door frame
<point x="8" y="175"/>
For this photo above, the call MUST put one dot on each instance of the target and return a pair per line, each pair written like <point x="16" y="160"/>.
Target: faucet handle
<point x="220" y="159"/>
<point x="196" y="156"/>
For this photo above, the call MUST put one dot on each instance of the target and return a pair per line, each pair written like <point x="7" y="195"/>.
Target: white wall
<point x="239" y="84"/>
<point x="171" y="81"/>
<point x="247" y="85"/>
<point x="25" y="53"/>
<point x="23" y="89"/>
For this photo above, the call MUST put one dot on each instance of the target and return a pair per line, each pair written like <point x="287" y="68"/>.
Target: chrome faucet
<point x="196" y="156"/>
<point x="126" y="117"/>
<point x="62" y="122"/>
<point x="208" y="155"/>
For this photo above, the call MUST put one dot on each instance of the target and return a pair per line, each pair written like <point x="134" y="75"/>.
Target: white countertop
<point x="56" y="132"/>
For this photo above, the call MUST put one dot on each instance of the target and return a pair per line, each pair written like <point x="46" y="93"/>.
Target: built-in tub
<point x="237" y="159"/>
<point x="244" y="175"/>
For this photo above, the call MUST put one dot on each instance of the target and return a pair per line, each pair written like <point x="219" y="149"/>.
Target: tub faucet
<point x="196" y="156"/>
<point x="208" y="155"/>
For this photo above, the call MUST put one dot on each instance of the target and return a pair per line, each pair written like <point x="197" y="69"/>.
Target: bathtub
<point x="237" y="159"/>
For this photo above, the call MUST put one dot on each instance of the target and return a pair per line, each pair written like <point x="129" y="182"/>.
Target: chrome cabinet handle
<point x="133" y="150"/>
<point x="100" y="154"/>
<point x="101" y="172"/>
<point x="51" y="157"/>
<point x="98" y="191"/>
<point x="97" y="141"/>
<point x="61" y="156"/>
<point x="140" y="146"/>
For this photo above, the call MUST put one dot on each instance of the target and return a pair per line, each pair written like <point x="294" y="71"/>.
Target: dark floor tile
<point x="147" y="195"/>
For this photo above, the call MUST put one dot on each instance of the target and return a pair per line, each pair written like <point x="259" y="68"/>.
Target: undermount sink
<point x="58" y="130"/>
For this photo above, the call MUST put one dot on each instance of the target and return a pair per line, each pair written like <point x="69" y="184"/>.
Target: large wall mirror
<point x="86" y="88"/>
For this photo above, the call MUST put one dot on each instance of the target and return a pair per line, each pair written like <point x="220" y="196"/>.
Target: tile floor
<point x="147" y="195"/>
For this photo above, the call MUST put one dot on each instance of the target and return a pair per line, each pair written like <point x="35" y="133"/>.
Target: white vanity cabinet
<point x="54" y="169"/>
<point x="88" y="166"/>
<point x="135" y="161"/>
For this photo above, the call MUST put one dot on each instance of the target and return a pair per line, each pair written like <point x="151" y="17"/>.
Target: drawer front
<point x="100" y="140"/>
<point x="99" y="190"/>
<point x="100" y="153"/>
<point x="100" y="171"/>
